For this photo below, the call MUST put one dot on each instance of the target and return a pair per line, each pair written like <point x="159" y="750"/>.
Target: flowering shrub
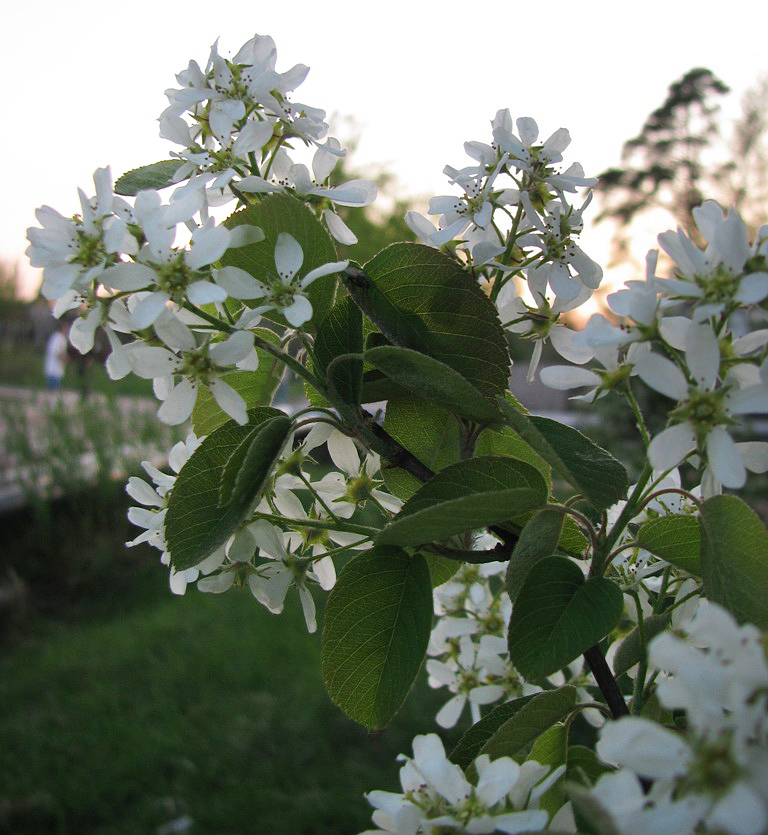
<point x="508" y="550"/>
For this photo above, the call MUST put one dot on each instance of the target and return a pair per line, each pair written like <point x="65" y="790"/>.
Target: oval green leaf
<point x="466" y="496"/>
<point x="424" y="300"/>
<point x="734" y="559"/>
<point x="155" y="176"/>
<point x="377" y="623"/>
<point x="196" y="524"/>
<point x="433" y="380"/>
<point x="675" y="538"/>
<point x="558" y="615"/>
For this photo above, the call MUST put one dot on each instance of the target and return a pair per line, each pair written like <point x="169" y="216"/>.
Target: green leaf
<point x="278" y="213"/>
<point x="426" y="431"/>
<point x="255" y="387"/>
<point x="155" y="176"/>
<point x="466" y="496"/>
<point x="377" y="623"/>
<point x="433" y="380"/>
<point x="423" y="300"/>
<point x="592" y="817"/>
<point x="558" y="615"/>
<point x="631" y="650"/>
<point x="441" y="570"/>
<point x="583" y="766"/>
<point x="470" y="745"/>
<point x="586" y="466"/>
<point x="506" y="441"/>
<point x="675" y="538"/>
<point x="196" y="524"/>
<point x="551" y="748"/>
<point x="516" y="736"/>
<point x="734" y="559"/>
<point x="538" y="539"/>
<point x="341" y="332"/>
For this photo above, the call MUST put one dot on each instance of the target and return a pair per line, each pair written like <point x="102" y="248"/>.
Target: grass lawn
<point x="205" y="706"/>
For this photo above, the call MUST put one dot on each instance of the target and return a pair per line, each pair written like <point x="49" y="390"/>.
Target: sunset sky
<point x="85" y="81"/>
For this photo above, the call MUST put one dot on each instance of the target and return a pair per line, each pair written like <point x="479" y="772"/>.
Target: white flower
<point x="74" y="252"/>
<point x="553" y="235"/>
<point x="705" y="410"/>
<point x="437" y="794"/>
<point x="285" y="292"/>
<point x="202" y="364"/>
<point x="718" y="277"/>
<point x="537" y="160"/>
<point x="465" y="677"/>
<point x="167" y="273"/>
<point x="474" y="207"/>
<point x="270" y="580"/>
<point x="151" y="516"/>
<point x="712" y="777"/>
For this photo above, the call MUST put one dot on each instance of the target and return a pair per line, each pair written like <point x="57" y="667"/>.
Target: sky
<point x="84" y="82"/>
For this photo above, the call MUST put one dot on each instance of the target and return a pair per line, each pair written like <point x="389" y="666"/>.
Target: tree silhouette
<point x="663" y="166"/>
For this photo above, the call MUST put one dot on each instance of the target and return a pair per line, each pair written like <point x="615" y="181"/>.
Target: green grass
<point x="23" y="366"/>
<point x="120" y="721"/>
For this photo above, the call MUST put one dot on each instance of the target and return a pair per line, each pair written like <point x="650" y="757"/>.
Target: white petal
<point x="149" y="361"/>
<point x="325" y="269"/>
<point x="563" y="377"/>
<point x="288" y="256"/>
<point x="647" y="748"/>
<point x="308" y="605"/>
<point x="724" y="458"/>
<point x="299" y="312"/>
<point x="177" y="407"/>
<point x="209" y="243"/>
<point x="449" y="713"/>
<point x="338" y="229"/>
<point x="128" y="277"/>
<point x="754" y="454"/>
<point x="702" y="354"/>
<point x="343" y="453"/>
<point x="229" y="400"/>
<point x="662" y="375"/>
<point x="245" y="234"/>
<point x="325" y="571"/>
<point x="238" y="283"/>
<point x="217" y="584"/>
<point x="671" y="445"/>
<point x="204" y="292"/>
<point x="233" y="349"/>
<point x="148" y="310"/>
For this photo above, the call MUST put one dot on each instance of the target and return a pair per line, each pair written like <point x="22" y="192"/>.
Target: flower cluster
<point x="711" y="777"/>
<point x="436" y="794"/>
<point x="514" y="219"/>
<point x="291" y="537"/>
<point x="710" y="362"/>
<point x="468" y="644"/>
<point x="235" y="123"/>
<point x="120" y="265"/>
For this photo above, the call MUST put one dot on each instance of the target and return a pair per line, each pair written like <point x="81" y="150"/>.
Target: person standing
<point x="56" y="357"/>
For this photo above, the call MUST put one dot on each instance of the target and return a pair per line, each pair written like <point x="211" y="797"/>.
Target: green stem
<point x="318" y="497"/>
<point x="642" y="667"/>
<point x="320" y="524"/>
<point x="642" y="428"/>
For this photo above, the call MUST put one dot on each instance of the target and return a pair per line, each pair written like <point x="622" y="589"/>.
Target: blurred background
<point x="124" y="709"/>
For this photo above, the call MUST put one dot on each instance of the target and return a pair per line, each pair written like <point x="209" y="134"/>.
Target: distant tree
<point x="663" y="165"/>
<point x="745" y="175"/>
<point x="680" y="158"/>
